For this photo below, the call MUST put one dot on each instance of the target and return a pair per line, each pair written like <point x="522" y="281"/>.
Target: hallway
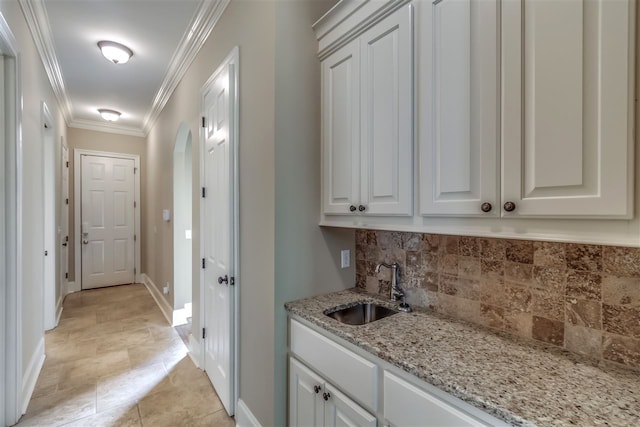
<point x="114" y="361"/>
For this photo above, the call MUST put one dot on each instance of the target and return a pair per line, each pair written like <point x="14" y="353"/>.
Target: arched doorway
<point x="182" y="226"/>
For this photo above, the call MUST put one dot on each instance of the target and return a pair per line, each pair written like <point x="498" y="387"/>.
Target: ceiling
<point x="164" y="35"/>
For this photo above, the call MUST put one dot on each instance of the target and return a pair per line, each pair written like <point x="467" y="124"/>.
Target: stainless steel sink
<point x="361" y="313"/>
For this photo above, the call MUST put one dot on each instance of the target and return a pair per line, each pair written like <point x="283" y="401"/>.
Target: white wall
<point x="35" y="89"/>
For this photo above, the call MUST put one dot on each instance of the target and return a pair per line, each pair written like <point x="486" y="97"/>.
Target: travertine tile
<point x="493" y="249"/>
<point x="621" y="320"/>
<point x="123" y="416"/>
<point x="460" y="308"/>
<point x="448" y="263"/>
<point x="469" y="246"/>
<point x="620" y="261"/>
<point x="87" y="371"/>
<point x="582" y="340"/>
<point x="549" y="331"/>
<point x="492" y="316"/>
<point x="431" y="281"/>
<point x="492" y="291"/>
<point x="583" y="312"/>
<point x="468" y="267"/>
<point x="518" y="272"/>
<point x="430" y="243"/>
<point x="450" y="245"/>
<point x="460" y="287"/>
<point x="412" y="241"/>
<point x="491" y="268"/>
<point x="584" y="285"/>
<point x="61" y="407"/>
<point x="520" y="251"/>
<point x="549" y="306"/>
<point x="549" y="254"/>
<point x="517" y="298"/>
<point x="518" y="323"/>
<point x="389" y="239"/>
<point x="621" y="290"/>
<point x="584" y="257"/>
<point x="550" y="279"/>
<point x="621" y="349"/>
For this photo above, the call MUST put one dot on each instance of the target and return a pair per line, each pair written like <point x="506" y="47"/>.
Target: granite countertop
<point x="518" y="381"/>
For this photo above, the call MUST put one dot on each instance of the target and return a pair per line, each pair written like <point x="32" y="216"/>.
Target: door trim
<point x="11" y="305"/>
<point x="50" y="196"/>
<point x="233" y="58"/>
<point x="77" y="205"/>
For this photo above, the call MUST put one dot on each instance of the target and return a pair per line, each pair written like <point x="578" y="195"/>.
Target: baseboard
<point x="71" y="288"/>
<point x="194" y="351"/>
<point x="180" y="316"/>
<point x="244" y="416"/>
<point x="59" y="309"/>
<point x="30" y="376"/>
<point x="164" y="306"/>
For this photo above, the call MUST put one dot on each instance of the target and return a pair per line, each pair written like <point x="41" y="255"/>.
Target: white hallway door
<point x="108" y="227"/>
<point x="64" y="218"/>
<point x="218" y="214"/>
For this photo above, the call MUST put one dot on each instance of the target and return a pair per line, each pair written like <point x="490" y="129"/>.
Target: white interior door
<point x="49" y="218"/>
<point x="64" y="218"/>
<point x="108" y="227"/>
<point x="217" y="226"/>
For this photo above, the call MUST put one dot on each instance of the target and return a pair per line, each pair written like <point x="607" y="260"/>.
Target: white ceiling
<point x="164" y="36"/>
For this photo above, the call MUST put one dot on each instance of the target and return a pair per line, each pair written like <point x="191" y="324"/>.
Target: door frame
<point x="49" y="260"/>
<point x="77" y="209"/>
<point x="233" y="58"/>
<point x="11" y="193"/>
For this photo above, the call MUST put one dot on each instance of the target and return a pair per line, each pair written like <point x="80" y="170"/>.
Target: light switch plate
<point x="345" y="258"/>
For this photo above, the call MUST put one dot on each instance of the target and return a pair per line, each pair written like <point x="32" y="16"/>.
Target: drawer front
<point x="341" y="367"/>
<point x="408" y="405"/>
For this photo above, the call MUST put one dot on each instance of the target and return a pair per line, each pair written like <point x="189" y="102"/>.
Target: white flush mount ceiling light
<point x="109" y="115"/>
<point x="115" y="52"/>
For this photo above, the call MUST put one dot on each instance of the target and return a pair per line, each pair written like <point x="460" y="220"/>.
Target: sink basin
<point x="361" y="313"/>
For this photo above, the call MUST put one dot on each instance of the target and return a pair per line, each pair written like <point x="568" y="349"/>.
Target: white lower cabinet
<point x="314" y="402"/>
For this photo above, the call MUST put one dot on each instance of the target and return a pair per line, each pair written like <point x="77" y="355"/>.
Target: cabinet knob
<point x="509" y="206"/>
<point x="362" y="208"/>
<point x="317" y="388"/>
<point x="486" y="207"/>
<point x="326" y="396"/>
<point x="352" y="208"/>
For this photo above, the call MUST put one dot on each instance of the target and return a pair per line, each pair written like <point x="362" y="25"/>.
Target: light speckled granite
<point x="520" y="382"/>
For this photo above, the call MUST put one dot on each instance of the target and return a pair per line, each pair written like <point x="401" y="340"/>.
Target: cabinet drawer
<point x="408" y="405"/>
<point x="343" y="368"/>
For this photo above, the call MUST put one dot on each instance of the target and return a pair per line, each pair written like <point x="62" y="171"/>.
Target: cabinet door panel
<point x="340" y="129"/>
<point x="568" y="107"/>
<point x="459" y="144"/>
<point x="341" y="411"/>
<point x="386" y="100"/>
<point x="305" y="405"/>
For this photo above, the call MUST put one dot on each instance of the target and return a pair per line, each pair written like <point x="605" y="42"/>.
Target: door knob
<point x="86" y="242"/>
<point x="509" y="206"/>
<point x="224" y="279"/>
<point x="64" y="244"/>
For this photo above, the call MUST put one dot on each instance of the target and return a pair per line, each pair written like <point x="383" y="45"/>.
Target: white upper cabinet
<point x="567" y="108"/>
<point x="367" y="121"/>
<point x="340" y="129"/>
<point x="459" y="108"/>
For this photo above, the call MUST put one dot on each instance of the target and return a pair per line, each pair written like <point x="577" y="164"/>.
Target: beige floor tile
<point x="130" y="387"/>
<point x="115" y="361"/>
<point x="217" y="419"/>
<point x="121" y="416"/>
<point x="60" y="407"/>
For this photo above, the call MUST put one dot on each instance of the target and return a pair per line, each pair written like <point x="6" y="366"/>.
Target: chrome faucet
<point x="396" y="292"/>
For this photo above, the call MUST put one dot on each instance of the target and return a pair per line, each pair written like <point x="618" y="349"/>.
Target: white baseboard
<point x="59" y="309"/>
<point x="70" y="288"/>
<point x="30" y="376"/>
<point x="244" y="416"/>
<point x="194" y="351"/>
<point x="165" y="308"/>
<point x="180" y="316"/>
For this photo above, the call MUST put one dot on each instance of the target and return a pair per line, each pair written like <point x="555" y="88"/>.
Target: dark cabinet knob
<point x="317" y="388"/>
<point x="326" y="396"/>
<point x="486" y="207"/>
<point x="352" y="208"/>
<point x="362" y="208"/>
<point x="224" y="279"/>
<point x="509" y="206"/>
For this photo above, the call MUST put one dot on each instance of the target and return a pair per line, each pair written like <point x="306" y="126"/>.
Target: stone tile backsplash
<point x="584" y="298"/>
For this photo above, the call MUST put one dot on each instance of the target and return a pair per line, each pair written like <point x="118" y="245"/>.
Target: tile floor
<point x="114" y="361"/>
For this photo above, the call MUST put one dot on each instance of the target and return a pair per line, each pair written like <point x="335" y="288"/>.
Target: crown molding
<point x="37" y="19"/>
<point x="106" y="127"/>
<point x="202" y="24"/>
